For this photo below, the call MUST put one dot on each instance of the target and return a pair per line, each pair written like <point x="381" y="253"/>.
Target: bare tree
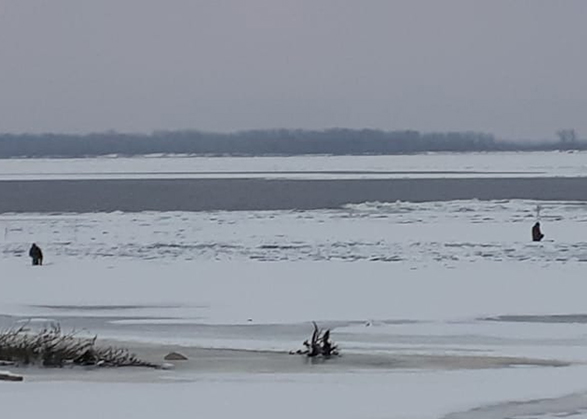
<point x="567" y="136"/>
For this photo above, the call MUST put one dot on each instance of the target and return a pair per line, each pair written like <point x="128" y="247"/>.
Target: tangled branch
<point x="51" y="347"/>
<point x="319" y="344"/>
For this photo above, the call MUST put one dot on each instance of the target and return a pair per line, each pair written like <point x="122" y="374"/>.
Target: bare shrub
<point x="51" y="347"/>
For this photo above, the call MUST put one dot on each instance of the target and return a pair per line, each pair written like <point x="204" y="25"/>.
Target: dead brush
<point x="319" y="345"/>
<point x="50" y="347"/>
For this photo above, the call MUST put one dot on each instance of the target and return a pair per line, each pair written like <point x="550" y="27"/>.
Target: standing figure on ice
<point x="536" y="233"/>
<point x="36" y="255"/>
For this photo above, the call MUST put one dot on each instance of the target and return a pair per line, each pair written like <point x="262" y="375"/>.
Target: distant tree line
<point x="335" y="141"/>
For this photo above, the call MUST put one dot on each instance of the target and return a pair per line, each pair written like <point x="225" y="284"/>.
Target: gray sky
<point x="516" y="68"/>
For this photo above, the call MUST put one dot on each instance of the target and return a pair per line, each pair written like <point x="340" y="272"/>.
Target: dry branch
<point x="319" y="344"/>
<point x="52" y="348"/>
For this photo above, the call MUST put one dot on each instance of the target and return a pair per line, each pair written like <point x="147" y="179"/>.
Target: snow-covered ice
<point x="439" y="308"/>
<point x="414" y="234"/>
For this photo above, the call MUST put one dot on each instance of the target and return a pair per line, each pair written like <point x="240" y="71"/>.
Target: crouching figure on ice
<point x="536" y="233"/>
<point x="36" y="255"/>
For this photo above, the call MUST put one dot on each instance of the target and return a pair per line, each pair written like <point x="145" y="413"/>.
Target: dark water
<point x="263" y="194"/>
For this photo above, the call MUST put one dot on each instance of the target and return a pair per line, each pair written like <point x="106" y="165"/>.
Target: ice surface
<point x="414" y="234"/>
<point x="306" y="167"/>
<point x="356" y="395"/>
<point x="441" y="309"/>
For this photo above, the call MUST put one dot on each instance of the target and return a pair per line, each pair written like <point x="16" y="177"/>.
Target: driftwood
<point x="52" y="348"/>
<point x="8" y="376"/>
<point x="319" y="345"/>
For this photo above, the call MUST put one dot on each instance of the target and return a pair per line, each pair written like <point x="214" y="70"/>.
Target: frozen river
<point x="433" y="165"/>
<point x="132" y="195"/>
<point x="442" y="307"/>
<point x="282" y="183"/>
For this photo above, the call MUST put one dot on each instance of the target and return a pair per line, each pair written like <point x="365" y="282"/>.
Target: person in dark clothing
<point x="36" y="255"/>
<point x="536" y="233"/>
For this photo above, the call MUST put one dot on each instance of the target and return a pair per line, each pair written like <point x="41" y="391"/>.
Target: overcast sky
<point x="514" y="68"/>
